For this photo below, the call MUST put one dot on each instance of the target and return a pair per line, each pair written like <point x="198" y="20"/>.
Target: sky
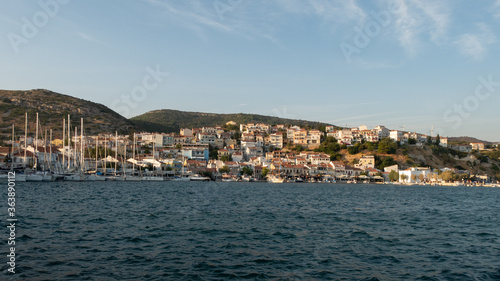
<point x="418" y="65"/>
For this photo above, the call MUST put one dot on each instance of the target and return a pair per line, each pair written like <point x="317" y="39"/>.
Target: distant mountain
<point x="168" y="120"/>
<point x="52" y="108"/>
<point x="466" y="140"/>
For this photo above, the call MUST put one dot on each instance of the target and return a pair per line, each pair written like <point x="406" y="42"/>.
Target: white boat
<point x="48" y="177"/>
<point x="17" y="177"/>
<point x="198" y="178"/>
<point x="247" y="178"/>
<point x="20" y="177"/>
<point x="96" y="178"/>
<point x="152" y="178"/>
<point x="229" y="179"/>
<point x="34" y="177"/>
<point x="275" y="179"/>
<point x="75" y="177"/>
<point x="181" y="179"/>
<point x="132" y="178"/>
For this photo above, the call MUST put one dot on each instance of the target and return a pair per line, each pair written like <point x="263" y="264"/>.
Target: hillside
<point x="466" y="140"/>
<point x="52" y="108"/>
<point x="168" y="120"/>
<point x="408" y="156"/>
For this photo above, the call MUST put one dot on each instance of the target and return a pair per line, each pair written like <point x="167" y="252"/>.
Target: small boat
<point x="152" y="178"/>
<point x="275" y="179"/>
<point x="132" y="178"/>
<point x="95" y="177"/>
<point x="229" y="179"/>
<point x="75" y="177"/>
<point x="181" y="179"/>
<point x="247" y="178"/>
<point x="34" y="177"/>
<point x="198" y="178"/>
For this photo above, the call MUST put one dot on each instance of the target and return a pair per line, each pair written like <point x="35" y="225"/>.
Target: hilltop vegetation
<point x="52" y="108"/>
<point x="167" y="120"/>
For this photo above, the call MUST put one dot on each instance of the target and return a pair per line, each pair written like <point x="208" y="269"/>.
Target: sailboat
<point x="34" y="176"/>
<point x="19" y="177"/>
<point x="80" y="176"/>
<point x="150" y="177"/>
<point x="183" y="177"/>
<point x="276" y="179"/>
<point x="95" y="176"/>
<point x="130" y="177"/>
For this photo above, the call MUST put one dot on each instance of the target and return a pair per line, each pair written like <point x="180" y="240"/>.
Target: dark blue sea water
<point x="256" y="231"/>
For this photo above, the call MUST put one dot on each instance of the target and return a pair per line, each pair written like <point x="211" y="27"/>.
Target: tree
<point x="412" y="141"/>
<point x="385" y="162"/>
<point x="247" y="171"/>
<point x="429" y="140"/>
<point x="414" y="178"/>
<point x="298" y="148"/>
<point x="393" y="176"/>
<point x="421" y="177"/>
<point x="225" y="169"/>
<point x="438" y="140"/>
<point x="387" y="146"/>
<point x="403" y="177"/>
<point x="213" y="152"/>
<point x="226" y="158"/>
<point x="353" y="149"/>
<point x="447" y="175"/>
<point x="265" y="171"/>
<point x="329" y="146"/>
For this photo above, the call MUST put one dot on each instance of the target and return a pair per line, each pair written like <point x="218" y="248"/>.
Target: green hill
<point x="52" y="108"/>
<point x="167" y="120"/>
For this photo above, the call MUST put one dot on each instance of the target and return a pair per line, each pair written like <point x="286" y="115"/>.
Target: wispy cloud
<point x="475" y="45"/>
<point x="88" y="37"/>
<point x="496" y="9"/>
<point x="257" y="19"/>
<point x="418" y="21"/>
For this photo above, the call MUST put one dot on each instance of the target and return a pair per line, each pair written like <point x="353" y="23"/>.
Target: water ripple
<point x="256" y="231"/>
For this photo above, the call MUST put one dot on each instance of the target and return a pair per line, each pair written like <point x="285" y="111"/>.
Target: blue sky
<point x="413" y="64"/>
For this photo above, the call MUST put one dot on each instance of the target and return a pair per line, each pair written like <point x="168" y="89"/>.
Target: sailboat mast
<point x="96" y="149"/>
<point x="76" y="137"/>
<point x="63" y="135"/>
<point x="69" y="142"/>
<point x="45" y="151"/>
<point x="25" y="136"/>
<point x="105" y="153"/>
<point x="133" y="156"/>
<point x="12" y="153"/>
<point x="82" y="159"/>
<point x="116" y="150"/>
<point x="50" y="143"/>
<point x="36" y="142"/>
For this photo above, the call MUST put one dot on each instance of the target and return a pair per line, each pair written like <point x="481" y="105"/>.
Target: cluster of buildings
<point x="255" y="146"/>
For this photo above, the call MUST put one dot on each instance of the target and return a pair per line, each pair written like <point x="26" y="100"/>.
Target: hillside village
<point x="259" y="151"/>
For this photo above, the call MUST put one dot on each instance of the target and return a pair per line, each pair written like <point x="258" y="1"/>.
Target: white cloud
<point x="496" y="9"/>
<point x="87" y="37"/>
<point x="419" y="21"/>
<point x="475" y="45"/>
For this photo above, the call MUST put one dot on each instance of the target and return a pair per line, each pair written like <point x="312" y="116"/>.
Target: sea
<point x="253" y="231"/>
